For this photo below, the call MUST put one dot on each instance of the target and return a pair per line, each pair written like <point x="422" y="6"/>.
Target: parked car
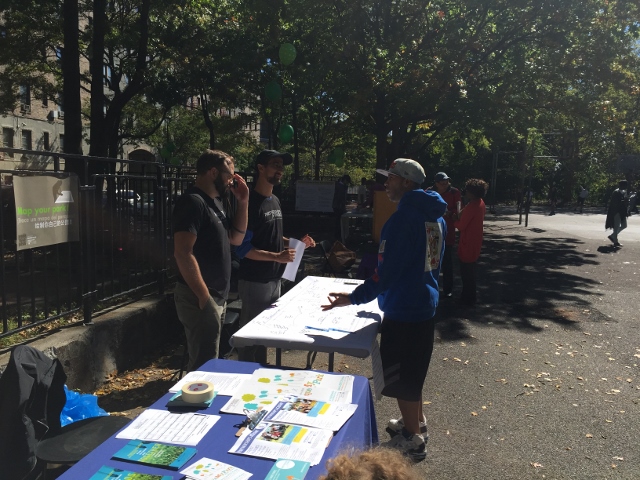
<point x="127" y="198"/>
<point x="145" y="207"/>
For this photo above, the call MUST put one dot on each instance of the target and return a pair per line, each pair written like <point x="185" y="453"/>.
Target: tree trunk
<point x="71" y="88"/>
<point x="97" y="139"/>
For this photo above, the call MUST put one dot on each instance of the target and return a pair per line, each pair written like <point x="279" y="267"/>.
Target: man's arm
<point x="188" y="265"/>
<point x="285" y="256"/>
<point x="239" y="226"/>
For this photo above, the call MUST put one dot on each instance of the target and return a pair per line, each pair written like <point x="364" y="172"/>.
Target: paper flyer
<point x="163" y="426"/>
<point x="287" y="469"/>
<point x="208" y="469"/>
<point x="291" y="269"/>
<point x="268" y="385"/>
<point x="313" y="413"/>
<point x="281" y="440"/>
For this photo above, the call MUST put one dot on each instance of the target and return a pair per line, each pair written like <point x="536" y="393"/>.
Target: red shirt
<point x="470" y="226"/>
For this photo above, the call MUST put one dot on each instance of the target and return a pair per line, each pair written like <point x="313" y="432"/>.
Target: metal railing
<point x="125" y="245"/>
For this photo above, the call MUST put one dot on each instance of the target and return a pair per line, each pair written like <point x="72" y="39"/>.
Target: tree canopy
<point x="447" y="83"/>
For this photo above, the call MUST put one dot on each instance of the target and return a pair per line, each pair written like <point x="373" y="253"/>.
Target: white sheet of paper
<point x="163" y="426"/>
<point x="208" y="469"/>
<point x="223" y="383"/>
<point x="292" y="267"/>
<point x="301" y="317"/>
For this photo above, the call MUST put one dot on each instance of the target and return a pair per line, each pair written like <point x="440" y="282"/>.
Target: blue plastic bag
<point x="80" y="406"/>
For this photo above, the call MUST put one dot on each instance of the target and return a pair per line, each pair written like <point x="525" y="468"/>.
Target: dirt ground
<point x="129" y="393"/>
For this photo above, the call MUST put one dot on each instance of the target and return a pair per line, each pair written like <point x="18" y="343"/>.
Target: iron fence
<point x="125" y="244"/>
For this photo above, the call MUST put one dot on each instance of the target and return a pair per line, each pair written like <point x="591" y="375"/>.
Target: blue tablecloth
<point x="359" y="432"/>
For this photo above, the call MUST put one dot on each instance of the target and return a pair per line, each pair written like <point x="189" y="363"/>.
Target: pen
<point x="326" y="329"/>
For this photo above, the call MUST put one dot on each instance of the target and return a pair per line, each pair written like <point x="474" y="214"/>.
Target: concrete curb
<point x="115" y="342"/>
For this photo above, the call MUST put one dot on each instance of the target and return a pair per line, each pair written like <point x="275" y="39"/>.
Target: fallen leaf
<point x="535" y="465"/>
<point x="475" y="414"/>
<point x="588" y="435"/>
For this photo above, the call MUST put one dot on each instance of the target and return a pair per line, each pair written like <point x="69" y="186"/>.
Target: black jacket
<point x="31" y="399"/>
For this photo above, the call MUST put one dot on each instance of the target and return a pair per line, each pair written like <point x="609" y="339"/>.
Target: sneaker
<point x="394" y="427"/>
<point x="412" y="446"/>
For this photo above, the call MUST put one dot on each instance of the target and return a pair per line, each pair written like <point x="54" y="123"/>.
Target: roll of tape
<point x="197" y="392"/>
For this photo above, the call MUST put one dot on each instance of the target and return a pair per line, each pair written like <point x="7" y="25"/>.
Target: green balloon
<point x="165" y="153"/>
<point x="273" y="91"/>
<point x="287" y="53"/>
<point x="339" y="162"/>
<point x="285" y="133"/>
<point x="339" y="153"/>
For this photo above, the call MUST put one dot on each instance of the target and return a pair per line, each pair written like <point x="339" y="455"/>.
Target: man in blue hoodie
<point x="406" y="286"/>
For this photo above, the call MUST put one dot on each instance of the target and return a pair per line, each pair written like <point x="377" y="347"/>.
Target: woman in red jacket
<point x="469" y="223"/>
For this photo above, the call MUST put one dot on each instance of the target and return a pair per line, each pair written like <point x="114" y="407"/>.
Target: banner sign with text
<point x="46" y="209"/>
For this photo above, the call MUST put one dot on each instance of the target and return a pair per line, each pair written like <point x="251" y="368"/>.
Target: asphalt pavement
<point x="541" y="378"/>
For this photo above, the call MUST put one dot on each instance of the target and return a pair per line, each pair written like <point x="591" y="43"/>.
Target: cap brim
<point x="287" y="159"/>
<point x="383" y="172"/>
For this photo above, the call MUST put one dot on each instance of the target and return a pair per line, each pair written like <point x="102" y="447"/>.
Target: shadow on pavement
<point x="521" y="281"/>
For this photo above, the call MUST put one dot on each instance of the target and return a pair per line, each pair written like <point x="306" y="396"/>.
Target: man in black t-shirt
<point x="202" y="234"/>
<point x="265" y="250"/>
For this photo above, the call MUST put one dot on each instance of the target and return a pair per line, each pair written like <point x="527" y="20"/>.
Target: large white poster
<point x="314" y="196"/>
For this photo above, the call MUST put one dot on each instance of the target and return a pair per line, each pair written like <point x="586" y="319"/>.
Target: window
<point x="7" y="138"/>
<point x="26" y="139"/>
<point x="45" y="99"/>
<point x="62" y="142"/>
<point x="46" y="143"/>
<point x="60" y="103"/>
<point x="106" y="76"/>
<point x="25" y="95"/>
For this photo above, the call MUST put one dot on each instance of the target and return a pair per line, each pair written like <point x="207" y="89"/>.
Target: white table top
<point x="348" y="330"/>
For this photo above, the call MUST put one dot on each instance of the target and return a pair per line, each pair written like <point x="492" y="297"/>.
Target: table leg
<point x="331" y="362"/>
<point x="278" y="357"/>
